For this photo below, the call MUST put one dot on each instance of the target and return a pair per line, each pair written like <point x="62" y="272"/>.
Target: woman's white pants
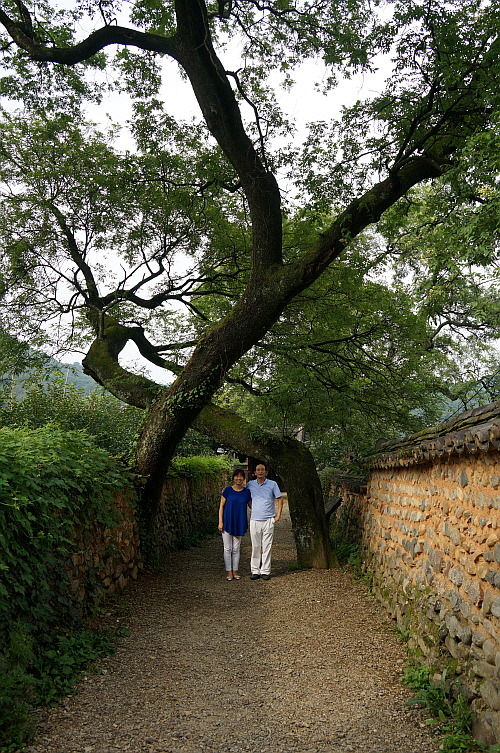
<point x="231" y="551"/>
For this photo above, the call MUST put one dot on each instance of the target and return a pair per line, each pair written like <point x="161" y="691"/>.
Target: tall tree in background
<point x="209" y="191"/>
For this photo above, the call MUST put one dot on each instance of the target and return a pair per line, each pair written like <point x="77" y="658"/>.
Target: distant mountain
<point x="73" y="373"/>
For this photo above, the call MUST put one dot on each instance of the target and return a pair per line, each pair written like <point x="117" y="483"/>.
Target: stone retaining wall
<point x="431" y="535"/>
<point x="105" y="558"/>
<point x="348" y="521"/>
<point x="188" y="509"/>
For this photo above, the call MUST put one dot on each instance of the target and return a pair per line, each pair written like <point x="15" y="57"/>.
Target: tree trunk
<point x="295" y="464"/>
<point x="291" y="459"/>
<point x="297" y="468"/>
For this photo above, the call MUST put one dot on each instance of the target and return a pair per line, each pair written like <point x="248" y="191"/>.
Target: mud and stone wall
<point x="105" y="558"/>
<point x="431" y="537"/>
<point x="188" y="510"/>
<point x="348" y="521"/>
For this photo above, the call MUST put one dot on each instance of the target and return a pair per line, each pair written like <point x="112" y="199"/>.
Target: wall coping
<point x="355" y="482"/>
<point x="476" y="430"/>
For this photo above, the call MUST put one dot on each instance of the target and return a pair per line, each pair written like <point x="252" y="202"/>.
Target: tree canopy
<point x="229" y="220"/>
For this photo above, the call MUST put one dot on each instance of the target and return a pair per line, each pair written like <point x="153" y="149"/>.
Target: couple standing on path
<point x="260" y="495"/>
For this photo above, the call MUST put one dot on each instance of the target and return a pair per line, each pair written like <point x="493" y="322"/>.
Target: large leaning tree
<point x="208" y="192"/>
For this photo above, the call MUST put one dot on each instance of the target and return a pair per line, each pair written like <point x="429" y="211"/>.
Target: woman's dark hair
<point x="238" y="472"/>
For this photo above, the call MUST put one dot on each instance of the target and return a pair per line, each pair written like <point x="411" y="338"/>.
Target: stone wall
<point x="105" y="558"/>
<point x="188" y="509"/>
<point x="429" y="524"/>
<point x="348" y="521"/>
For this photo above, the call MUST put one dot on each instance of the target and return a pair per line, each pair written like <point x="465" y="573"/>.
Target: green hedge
<point x="200" y="465"/>
<point x="49" y="479"/>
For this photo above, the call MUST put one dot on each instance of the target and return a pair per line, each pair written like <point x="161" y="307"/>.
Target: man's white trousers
<point x="261" y="533"/>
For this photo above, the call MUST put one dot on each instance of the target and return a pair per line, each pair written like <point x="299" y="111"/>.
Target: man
<point x="262" y="519"/>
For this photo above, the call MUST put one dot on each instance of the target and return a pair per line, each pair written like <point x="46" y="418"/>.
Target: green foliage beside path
<point x="49" y="480"/>
<point x="29" y="678"/>
<point x="200" y="466"/>
<point x="112" y="425"/>
<point x="450" y="710"/>
<point x="53" y="397"/>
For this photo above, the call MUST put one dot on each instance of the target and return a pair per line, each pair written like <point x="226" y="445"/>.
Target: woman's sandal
<point x="237" y="577"/>
<point x="229" y="577"/>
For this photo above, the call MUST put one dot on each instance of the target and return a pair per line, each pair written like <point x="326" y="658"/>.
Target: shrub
<point x="49" y="480"/>
<point x="50" y="399"/>
<point x="28" y="678"/>
<point x="17" y="690"/>
<point x="59" y="668"/>
<point x="194" y="443"/>
<point x="199" y="466"/>
<point x="450" y="710"/>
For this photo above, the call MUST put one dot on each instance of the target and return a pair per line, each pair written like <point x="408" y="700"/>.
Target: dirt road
<point x="304" y="663"/>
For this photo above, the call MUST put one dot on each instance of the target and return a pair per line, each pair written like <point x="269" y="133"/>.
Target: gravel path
<point x="304" y="663"/>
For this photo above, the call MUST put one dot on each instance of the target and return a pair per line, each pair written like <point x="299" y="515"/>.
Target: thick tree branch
<point x="101" y="363"/>
<point x="94" y="43"/>
<point x="150" y="352"/>
<point x="222" y="115"/>
<point x="192" y="48"/>
<point x="360" y="213"/>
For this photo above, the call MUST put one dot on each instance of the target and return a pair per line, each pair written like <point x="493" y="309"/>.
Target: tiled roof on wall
<point x="475" y="430"/>
<point x="355" y="481"/>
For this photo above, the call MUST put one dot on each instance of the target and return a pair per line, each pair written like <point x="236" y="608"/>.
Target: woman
<point x="233" y="521"/>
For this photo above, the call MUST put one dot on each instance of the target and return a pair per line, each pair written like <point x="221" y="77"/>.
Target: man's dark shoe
<point x="265" y="577"/>
<point x="254" y="576"/>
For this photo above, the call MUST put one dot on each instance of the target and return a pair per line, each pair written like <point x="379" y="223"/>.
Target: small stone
<point x="490" y="695"/>
<point x="495" y="607"/>
<point x="490" y="650"/>
<point x="484" y="669"/>
<point x="456" y="576"/>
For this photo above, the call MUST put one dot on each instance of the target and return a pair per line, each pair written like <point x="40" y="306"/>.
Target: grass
<point x="449" y="709"/>
<point x="31" y="677"/>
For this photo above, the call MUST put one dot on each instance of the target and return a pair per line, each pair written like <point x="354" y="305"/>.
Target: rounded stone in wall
<point x="495" y="607"/>
<point x="489" y="693"/>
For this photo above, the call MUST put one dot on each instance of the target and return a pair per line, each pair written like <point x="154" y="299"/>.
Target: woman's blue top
<point x="234" y="516"/>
